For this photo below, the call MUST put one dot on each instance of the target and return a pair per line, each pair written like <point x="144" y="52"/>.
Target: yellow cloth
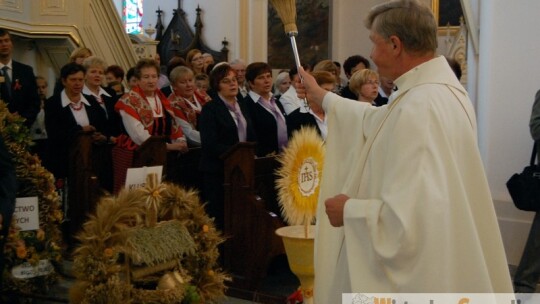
<point x="420" y="217"/>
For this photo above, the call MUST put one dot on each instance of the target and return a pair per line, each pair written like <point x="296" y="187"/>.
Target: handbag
<point x="524" y="187"/>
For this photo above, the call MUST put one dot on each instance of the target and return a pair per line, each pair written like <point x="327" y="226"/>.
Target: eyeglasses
<point x="375" y="82"/>
<point x="229" y="80"/>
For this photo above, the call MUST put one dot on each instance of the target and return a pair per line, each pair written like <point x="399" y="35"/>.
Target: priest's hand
<point x="334" y="209"/>
<point x="309" y="88"/>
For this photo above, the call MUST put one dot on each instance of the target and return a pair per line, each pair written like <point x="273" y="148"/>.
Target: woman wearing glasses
<point x="365" y="84"/>
<point x="224" y="122"/>
<point x="195" y="61"/>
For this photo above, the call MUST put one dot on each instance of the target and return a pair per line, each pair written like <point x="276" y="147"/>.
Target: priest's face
<point x="382" y="54"/>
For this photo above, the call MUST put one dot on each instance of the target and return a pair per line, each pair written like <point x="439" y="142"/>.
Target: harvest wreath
<point x="149" y="245"/>
<point x="28" y="253"/>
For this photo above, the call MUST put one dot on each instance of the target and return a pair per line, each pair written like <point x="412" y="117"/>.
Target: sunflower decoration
<point x="31" y="251"/>
<point x="299" y="177"/>
<point x="149" y="245"/>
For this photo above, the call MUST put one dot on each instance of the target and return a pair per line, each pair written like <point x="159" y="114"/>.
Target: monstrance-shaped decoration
<point x="299" y="177"/>
<point x="298" y="186"/>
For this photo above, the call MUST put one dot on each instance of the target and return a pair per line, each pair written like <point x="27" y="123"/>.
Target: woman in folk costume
<point x="145" y="112"/>
<point x="186" y="103"/>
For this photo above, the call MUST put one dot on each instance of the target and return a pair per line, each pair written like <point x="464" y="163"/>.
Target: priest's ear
<point x="396" y="43"/>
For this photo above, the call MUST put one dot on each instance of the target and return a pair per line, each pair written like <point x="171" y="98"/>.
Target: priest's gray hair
<point x="411" y="21"/>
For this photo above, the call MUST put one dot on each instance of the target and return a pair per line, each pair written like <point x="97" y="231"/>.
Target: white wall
<point x="348" y="33"/>
<point x="241" y="22"/>
<point x="508" y="78"/>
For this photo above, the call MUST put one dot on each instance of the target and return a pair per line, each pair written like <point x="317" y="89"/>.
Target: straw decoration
<point x="286" y="10"/>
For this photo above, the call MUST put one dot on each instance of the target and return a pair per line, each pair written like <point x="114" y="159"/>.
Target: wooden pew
<point x="183" y="168"/>
<point x="83" y="185"/>
<point x="251" y="216"/>
<point x="91" y="164"/>
<point x="152" y="152"/>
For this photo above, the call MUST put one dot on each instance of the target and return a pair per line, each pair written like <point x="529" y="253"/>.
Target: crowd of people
<point x="197" y="103"/>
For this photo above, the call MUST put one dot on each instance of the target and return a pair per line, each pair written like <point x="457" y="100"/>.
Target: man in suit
<point x="8" y="190"/>
<point x="17" y="82"/>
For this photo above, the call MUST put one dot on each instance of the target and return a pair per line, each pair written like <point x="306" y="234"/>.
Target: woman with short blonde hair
<point x="365" y="84"/>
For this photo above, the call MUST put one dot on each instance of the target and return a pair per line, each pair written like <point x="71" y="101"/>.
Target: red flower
<point x="59" y="183"/>
<point x="17" y="86"/>
<point x="295" y="297"/>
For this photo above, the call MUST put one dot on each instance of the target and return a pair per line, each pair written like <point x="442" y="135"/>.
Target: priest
<point x="404" y="205"/>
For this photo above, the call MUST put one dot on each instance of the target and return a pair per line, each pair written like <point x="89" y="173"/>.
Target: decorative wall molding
<point x="53" y="8"/>
<point x="11" y="5"/>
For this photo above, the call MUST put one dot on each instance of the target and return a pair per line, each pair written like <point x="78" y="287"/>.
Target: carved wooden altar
<point x="178" y="38"/>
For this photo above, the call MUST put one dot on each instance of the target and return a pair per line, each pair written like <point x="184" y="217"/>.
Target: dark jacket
<point x="347" y="93"/>
<point x="62" y="130"/>
<point x="219" y="133"/>
<point x="114" y="121"/>
<point x="24" y="95"/>
<point x="265" y="126"/>
<point x="297" y="119"/>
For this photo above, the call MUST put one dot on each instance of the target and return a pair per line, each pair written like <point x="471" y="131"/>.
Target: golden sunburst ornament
<point x="299" y="177"/>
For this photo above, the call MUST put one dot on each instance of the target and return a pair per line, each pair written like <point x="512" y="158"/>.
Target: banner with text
<point x="26" y="214"/>
<point x="136" y="177"/>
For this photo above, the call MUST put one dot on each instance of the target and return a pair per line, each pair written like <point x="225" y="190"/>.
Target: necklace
<point x="194" y="105"/>
<point x="157" y="110"/>
<point x="76" y="106"/>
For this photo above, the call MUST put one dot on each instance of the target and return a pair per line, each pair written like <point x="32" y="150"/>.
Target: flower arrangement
<point x="130" y="251"/>
<point x="29" y="248"/>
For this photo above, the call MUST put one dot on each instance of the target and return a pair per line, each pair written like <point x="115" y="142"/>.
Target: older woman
<point x="224" y="122"/>
<point x="145" y="112"/>
<point x="267" y="113"/>
<point x="195" y="61"/>
<point x="186" y="103"/>
<point x="365" y="83"/>
<point x="282" y="83"/>
<point x="312" y="115"/>
<point x="106" y="98"/>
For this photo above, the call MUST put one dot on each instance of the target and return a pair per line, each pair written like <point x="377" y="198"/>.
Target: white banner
<point x="136" y="177"/>
<point x="26" y="270"/>
<point x="26" y="214"/>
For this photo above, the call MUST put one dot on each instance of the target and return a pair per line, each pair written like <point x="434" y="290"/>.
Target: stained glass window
<point x="132" y="16"/>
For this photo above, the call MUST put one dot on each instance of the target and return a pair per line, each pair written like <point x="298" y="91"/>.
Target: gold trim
<point x="442" y="30"/>
<point x="447" y="30"/>
<point x="31" y="33"/>
<point x="435" y="9"/>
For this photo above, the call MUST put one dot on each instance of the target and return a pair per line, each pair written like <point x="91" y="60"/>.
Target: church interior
<point x="492" y="41"/>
